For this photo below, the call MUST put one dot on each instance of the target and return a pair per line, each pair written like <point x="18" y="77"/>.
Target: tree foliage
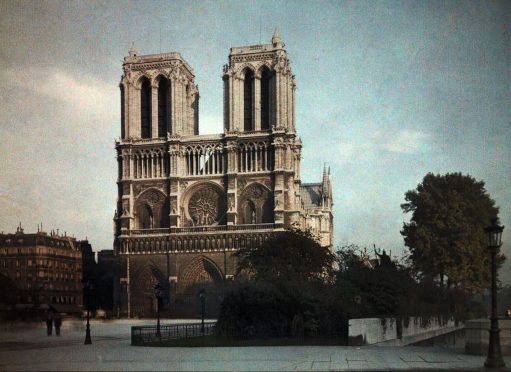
<point x="280" y="289"/>
<point x="293" y="256"/>
<point x="445" y="235"/>
<point x="391" y="291"/>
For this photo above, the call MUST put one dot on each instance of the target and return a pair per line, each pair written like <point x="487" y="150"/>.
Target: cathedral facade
<point x="187" y="202"/>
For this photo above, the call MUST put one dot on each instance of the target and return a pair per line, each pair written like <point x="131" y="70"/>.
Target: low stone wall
<point x="477" y="336"/>
<point x="390" y="332"/>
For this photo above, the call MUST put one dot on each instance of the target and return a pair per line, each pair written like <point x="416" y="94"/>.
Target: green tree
<point x="445" y="235"/>
<point x="289" y="255"/>
<point x="287" y="276"/>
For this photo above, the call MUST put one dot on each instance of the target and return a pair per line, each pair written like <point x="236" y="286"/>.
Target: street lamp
<point x="494" y="359"/>
<point x="202" y="296"/>
<point x="158" y="293"/>
<point x="87" y="288"/>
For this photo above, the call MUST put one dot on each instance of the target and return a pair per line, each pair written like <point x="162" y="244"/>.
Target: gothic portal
<point x="186" y="201"/>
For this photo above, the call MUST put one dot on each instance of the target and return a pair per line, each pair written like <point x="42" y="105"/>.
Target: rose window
<point x="205" y="207"/>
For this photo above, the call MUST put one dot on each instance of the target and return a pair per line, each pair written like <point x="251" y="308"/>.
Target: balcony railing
<point x="164" y="230"/>
<point x="194" y="229"/>
<point x="200" y="229"/>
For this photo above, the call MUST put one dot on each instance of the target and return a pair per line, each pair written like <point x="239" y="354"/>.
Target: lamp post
<point x="87" y="288"/>
<point x="202" y="296"/>
<point x="494" y="359"/>
<point x="158" y="293"/>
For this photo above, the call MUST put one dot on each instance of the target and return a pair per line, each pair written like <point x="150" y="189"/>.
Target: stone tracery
<point x="256" y="205"/>
<point x="205" y="207"/>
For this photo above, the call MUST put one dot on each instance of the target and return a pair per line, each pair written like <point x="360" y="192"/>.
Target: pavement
<point x="24" y="348"/>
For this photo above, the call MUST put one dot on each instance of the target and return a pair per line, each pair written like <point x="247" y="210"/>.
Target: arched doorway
<point x="200" y="274"/>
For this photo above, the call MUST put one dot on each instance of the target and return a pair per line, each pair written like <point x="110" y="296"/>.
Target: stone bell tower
<point x="259" y="90"/>
<point x="158" y="96"/>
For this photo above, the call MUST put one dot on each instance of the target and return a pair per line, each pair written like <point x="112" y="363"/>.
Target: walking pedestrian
<point x="58" y="322"/>
<point x="49" y="322"/>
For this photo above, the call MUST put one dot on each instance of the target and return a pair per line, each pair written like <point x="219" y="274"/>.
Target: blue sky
<point x="387" y="91"/>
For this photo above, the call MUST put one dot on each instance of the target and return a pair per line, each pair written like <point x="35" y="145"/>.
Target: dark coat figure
<point x="58" y="322"/>
<point x="49" y="323"/>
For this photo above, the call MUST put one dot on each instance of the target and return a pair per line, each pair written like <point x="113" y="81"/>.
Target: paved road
<point x="23" y="348"/>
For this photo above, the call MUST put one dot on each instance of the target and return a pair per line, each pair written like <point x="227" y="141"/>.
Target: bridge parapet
<point x="477" y="336"/>
<point x="394" y="332"/>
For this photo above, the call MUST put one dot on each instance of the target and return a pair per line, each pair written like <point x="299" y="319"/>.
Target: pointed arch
<point x="256" y="204"/>
<point x="151" y="210"/>
<point x="140" y="79"/>
<point x="242" y="70"/>
<point x="201" y="271"/>
<point x="262" y="66"/>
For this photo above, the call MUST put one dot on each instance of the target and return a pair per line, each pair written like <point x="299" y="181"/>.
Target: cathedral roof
<point x="310" y="194"/>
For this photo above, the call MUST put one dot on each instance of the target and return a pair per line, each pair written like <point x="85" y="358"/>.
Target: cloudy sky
<point x="387" y="91"/>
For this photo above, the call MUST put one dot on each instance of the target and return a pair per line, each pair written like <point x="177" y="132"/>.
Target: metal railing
<point x="143" y="335"/>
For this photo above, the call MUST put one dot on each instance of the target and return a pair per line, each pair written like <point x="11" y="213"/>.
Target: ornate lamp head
<point x="494" y="234"/>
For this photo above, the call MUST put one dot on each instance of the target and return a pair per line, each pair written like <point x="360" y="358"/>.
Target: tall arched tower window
<point x="248" y="101"/>
<point x="266" y="76"/>
<point x="123" y="122"/>
<point x="145" y="217"/>
<point x="250" y="213"/>
<point x="145" y="109"/>
<point x="163" y="107"/>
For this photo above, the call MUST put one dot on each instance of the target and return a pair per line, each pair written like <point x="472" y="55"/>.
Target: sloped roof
<point x="311" y="195"/>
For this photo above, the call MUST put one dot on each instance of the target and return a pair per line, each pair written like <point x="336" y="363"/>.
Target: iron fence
<point x="142" y="335"/>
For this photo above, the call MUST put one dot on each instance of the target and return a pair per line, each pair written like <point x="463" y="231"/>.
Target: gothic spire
<point x="324" y="185"/>
<point x="276" y="40"/>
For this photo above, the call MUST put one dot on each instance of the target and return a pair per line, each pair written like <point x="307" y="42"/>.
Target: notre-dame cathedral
<point x="187" y="202"/>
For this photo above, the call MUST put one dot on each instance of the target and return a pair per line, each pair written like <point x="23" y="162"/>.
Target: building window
<point x="163" y="106"/>
<point x="123" y="134"/>
<point x="248" y="100"/>
<point x="265" y="98"/>
<point x="145" y="109"/>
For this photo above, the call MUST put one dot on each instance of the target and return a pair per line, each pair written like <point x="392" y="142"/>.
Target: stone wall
<point x="477" y="336"/>
<point x="389" y="332"/>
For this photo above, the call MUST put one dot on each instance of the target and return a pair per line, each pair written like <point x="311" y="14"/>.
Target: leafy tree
<point x="445" y="235"/>
<point x="384" y="290"/>
<point x="287" y="276"/>
<point x="289" y="256"/>
<point x="365" y="290"/>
